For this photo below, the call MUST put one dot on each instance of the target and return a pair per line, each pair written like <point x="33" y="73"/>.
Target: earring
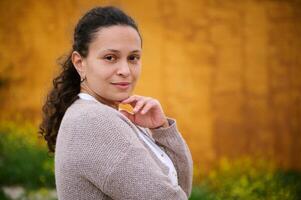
<point x="82" y="80"/>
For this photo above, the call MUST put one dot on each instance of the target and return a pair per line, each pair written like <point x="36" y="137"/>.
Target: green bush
<point x="23" y="159"/>
<point x="247" y="179"/>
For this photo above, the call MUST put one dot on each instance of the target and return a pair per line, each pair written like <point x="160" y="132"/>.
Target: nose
<point x="123" y="69"/>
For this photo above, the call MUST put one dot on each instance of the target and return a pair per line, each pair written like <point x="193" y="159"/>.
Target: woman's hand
<point x="147" y="112"/>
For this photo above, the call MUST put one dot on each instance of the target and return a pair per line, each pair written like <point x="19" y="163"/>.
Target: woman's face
<point x="113" y="59"/>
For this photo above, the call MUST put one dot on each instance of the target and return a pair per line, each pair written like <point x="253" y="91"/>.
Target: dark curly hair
<point x="66" y="85"/>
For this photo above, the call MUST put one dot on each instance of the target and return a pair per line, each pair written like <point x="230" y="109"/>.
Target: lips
<point x="121" y="83"/>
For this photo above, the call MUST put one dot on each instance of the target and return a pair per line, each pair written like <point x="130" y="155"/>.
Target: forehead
<point x="119" y="37"/>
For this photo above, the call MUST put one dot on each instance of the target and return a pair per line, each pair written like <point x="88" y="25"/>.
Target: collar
<point x="86" y="96"/>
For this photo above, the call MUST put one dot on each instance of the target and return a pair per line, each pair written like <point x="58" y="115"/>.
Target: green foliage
<point x="23" y="161"/>
<point x="248" y="180"/>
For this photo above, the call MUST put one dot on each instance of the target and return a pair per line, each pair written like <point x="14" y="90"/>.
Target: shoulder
<point x="90" y="120"/>
<point x="85" y="111"/>
<point x="88" y="109"/>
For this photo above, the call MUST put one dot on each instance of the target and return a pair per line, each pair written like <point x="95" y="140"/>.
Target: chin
<point x="122" y="97"/>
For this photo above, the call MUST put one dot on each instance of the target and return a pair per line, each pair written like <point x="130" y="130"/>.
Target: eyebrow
<point x="117" y="51"/>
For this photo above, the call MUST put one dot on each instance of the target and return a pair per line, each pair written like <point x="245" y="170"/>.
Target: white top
<point x="153" y="146"/>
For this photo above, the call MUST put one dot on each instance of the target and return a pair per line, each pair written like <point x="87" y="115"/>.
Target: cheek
<point x="103" y="73"/>
<point x="137" y="72"/>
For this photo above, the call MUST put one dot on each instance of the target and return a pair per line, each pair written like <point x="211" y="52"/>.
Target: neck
<point x="85" y="89"/>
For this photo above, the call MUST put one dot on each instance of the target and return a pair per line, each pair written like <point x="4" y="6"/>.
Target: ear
<point x="78" y="63"/>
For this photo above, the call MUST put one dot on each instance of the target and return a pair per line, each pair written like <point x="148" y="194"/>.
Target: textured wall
<point x="228" y="71"/>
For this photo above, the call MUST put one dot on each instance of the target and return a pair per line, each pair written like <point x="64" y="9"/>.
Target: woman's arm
<point x="136" y="177"/>
<point x="148" y="113"/>
<point x="175" y="146"/>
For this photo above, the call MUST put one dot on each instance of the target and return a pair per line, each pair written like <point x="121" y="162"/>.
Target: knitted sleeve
<point x="112" y="158"/>
<point x="175" y="146"/>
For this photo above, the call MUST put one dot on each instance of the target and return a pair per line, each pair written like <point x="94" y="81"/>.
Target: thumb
<point x="130" y="116"/>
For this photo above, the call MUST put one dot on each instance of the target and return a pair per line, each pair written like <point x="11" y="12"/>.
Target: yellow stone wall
<point x="228" y="71"/>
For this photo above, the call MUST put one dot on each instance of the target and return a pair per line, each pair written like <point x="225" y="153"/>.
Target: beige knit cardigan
<point x="99" y="155"/>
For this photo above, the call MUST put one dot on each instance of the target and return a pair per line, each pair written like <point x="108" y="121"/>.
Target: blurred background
<point x="228" y="71"/>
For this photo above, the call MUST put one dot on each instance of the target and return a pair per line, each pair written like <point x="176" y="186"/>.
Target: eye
<point x="110" y="58"/>
<point x="134" y="58"/>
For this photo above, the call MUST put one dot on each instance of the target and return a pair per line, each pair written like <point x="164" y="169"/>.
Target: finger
<point x="127" y="99"/>
<point x="139" y="105"/>
<point x="132" y="101"/>
<point x="131" y="98"/>
<point x="147" y="107"/>
<point x="137" y="102"/>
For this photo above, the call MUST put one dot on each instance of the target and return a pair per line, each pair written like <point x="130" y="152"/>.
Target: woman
<point x="102" y="152"/>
